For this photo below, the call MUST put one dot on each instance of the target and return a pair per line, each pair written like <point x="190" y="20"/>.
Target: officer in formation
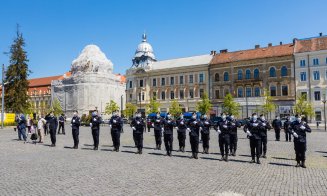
<point x="138" y="126"/>
<point x="205" y="133"/>
<point x="115" y="126"/>
<point x="75" y="123"/>
<point x="252" y="128"/>
<point x="53" y="124"/>
<point x="194" y="129"/>
<point x="287" y="129"/>
<point x="224" y="129"/>
<point x="277" y="125"/>
<point x="157" y="126"/>
<point x="168" y="126"/>
<point x="298" y="129"/>
<point x="234" y="124"/>
<point x="263" y="133"/>
<point x="95" y="127"/>
<point x="61" y="124"/>
<point x="181" y="132"/>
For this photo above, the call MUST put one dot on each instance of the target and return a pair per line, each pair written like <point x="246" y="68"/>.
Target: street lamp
<point x="3" y="96"/>
<point x="324" y="102"/>
<point x="121" y="105"/>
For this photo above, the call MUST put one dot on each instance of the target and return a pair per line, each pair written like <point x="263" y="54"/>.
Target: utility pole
<point x="3" y="96"/>
<point x="324" y="102"/>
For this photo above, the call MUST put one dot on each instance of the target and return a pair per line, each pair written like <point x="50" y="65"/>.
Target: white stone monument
<point x="91" y="84"/>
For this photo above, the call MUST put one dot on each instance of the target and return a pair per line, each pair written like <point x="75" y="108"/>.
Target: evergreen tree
<point x="175" y="108"/>
<point x="204" y="105"/>
<point x="16" y="98"/>
<point x="111" y="107"/>
<point x="230" y="106"/>
<point x="153" y="106"/>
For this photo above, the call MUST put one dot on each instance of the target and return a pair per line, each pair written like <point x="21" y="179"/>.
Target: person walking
<point x="40" y="128"/>
<point x="75" y="124"/>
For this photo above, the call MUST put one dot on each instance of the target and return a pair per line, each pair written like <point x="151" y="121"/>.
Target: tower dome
<point x="144" y="55"/>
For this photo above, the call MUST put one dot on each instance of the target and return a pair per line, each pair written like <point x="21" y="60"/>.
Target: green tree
<point x="130" y="110"/>
<point x="303" y="107"/>
<point x="30" y="108"/>
<point x="230" y="106"/>
<point x="111" y="107"/>
<point x="269" y="105"/>
<point x="175" y="108"/>
<point x="153" y="106"/>
<point x="56" y="107"/>
<point x="16" y="76"/>
<point x="45" y="108"/>
<point x="204" y="105"/>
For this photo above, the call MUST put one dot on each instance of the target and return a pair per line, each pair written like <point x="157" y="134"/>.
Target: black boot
<point x="297" y="163"/>
<point x="183" y="149"/>
<point x="117" y="149"/>
<point x="303" y="164"/>
<point x="222" y="158"/>
<point x="258" y="160"/>
<point x="264" y="155"/>
<point x="193" y="156"/>
<point x="196" y="155"/>
<point x="226" y="158"/>
<point x="140" y="151"/>
<point x="159" y="146"/>
<point x="253" y="160"/>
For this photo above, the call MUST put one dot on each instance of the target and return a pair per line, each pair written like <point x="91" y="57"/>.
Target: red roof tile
<point x="311" y="44"/>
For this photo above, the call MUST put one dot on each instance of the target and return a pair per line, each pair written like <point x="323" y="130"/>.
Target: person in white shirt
<point x="40" y="128"/>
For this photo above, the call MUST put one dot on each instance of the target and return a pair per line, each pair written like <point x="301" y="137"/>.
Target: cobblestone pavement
<point x="28" y="169"/>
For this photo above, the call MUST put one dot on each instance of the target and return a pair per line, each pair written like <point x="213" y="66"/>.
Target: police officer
<point x="21" y="125"/>
<point x="233" y="134"/>
<point x="277" y="125"/>
<point x="252" y="128"/>
<point x="75" y="123"/>
<point x="205" y="133"/>
<point x="194" y="129"/>
<point x="181" y="132"/>
<point x="158" y="127"/>
<point x="61" y="124"/>
<point x="115" y="126"/>
<point x="299" y="129"/>
<point x="263" y="133"/>
<point x="95" y="126"/>
<point x="138" y="126"/>
<point x="287" y="129"/>
<point x="224" y="129"/>
<point x="168" y="125"/>
<point x="53" y="124"/>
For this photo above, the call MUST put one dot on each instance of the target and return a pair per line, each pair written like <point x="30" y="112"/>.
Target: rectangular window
<point x="139" y="97"/>
<point x="240" y="92"/>
<point x="257" y="92"/>
<point x="181" y="94"/>
<point x="318" y="115"/>
<point x="181" y="79"/>
<point x="191" y="93"/>
<point x="163" y="95"/>
<point x="142" y="96"/>
<point x="273" y="91"/>
<point x="317" y="95"/>
<point x="217" y="94"/>
<point x="201" y="78"/>
<point x="302" y="63"/>
<point x="154" y="82"/>
<point x="172" y="81"/>
<point x="305" y="94"/>
<point x="172" y="95"/>
<point x="163" y="82"/>
<point x="316" y="61"/>
<point x="130" y="96"/>
<point x="191" y="79"/>
<point x="248" y="92"/>
<point x="130" y="84"/>
<point x="303" y="76"/>
<point x="316" y="75"/>
<point x="284" y="90"/>
<point x="201" y="93"/>
<point x="141" y="83"/>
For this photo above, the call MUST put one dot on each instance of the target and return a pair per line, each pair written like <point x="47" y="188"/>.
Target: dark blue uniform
<point x="287" y="129"/>
<point x="277" y="125"/>
<point x="115" y="123"/>
<point x="205" y="134"/>
<point x="224" y="138"/>
<point x="168" y="125"/>
<point x="21" y="128"/>
<point x="76" y="122"/>
<point x="263" y="133"/>
<point x="139" y="125"/>
<point x="194" y="127"/>
<point x="61" y="124"/>
<point x="96" y="121"/>
<point x="300" y="142"/>
<point x="255" y="128"/>
<point x="157" y="126"/>
<point x="234" y="124"/>
<point x="53" y="124"/>
<point x="181" y="133"/>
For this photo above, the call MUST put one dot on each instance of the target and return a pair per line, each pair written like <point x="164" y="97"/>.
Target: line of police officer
<point x="256" y="130"/>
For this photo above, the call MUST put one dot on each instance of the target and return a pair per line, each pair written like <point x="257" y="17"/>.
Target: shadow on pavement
<point x="155" y="153"/>
<point x="282" y="158"/>
<point x="107" y="145"/>
<point x="149" y="148"/>
<point x="87" y="148"/>
<point x="181" y="156"/>
<point x="128" y="151"/>
<point x="321" y="151"/>
<point x="47" y="145"/>
<point x="129" y="146"/>
<point x="68" y="147"/>
<point x="209" y="158"/>
<point x="88" y="145"/>
<point x="109" y="150"/>
<point x="244" y="155"/>
<point x="281" y="164"/>
<point x="239" y="161"/>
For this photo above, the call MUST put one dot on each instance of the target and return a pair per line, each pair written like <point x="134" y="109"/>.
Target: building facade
<point x="310" y="57"/>
<point x="246" y="74"/>
<point x="182" y="79"/>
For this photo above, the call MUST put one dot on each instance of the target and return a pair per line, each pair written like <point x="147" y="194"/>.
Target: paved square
<point x="28" y="169"/>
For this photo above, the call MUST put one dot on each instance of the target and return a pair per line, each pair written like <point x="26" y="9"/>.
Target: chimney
<point x="280" y="43"/>
<point x="213" y="52"/>
<point x="269" y="44"/>
<point x="257" y="46"/>
<point x="294" y="40"/>
<point x="320" y="34"/>
<point x="224" y="51"/>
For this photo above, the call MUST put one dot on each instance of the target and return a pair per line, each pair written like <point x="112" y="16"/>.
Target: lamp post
<point x="121" y="104"/>
<point x="247" y="106"/>
<point x="324" y="102"/>
<point x="3" y="96"/>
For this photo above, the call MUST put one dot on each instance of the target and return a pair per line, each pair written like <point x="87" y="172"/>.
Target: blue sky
<point x="57" y="30"/>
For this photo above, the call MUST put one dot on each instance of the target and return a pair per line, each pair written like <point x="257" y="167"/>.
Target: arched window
<point x="216" y="77"/>
<point x="272" y="72"/>
<point x="240" y="92"/>
<point x="247" y="74"/>
<point x="256" y="74"/>
<point x="226" y="76"/>
<point x="284" y="71"/>
<point x="257" y="92"/>
<point x="240" y="74"/>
